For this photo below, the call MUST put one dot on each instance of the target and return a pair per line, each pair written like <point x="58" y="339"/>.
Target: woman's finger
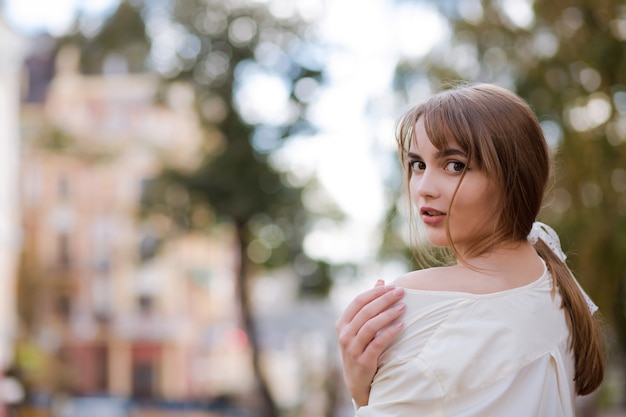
<point x="360" y="302"/>
<point x="381" y="341"/>
<point x="355" y="337"/>
<point x="377" y="327"/>
<point x="366" y="325"/>
<point x="373" y="309"/>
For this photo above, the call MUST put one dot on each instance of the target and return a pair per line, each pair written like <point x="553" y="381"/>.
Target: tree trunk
<point x="268" y="406"/>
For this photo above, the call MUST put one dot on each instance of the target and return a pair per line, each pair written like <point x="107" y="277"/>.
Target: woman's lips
<point x="432" y="217"/>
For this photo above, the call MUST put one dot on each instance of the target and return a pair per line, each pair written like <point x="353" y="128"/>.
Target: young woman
<point x="503" y="331"/>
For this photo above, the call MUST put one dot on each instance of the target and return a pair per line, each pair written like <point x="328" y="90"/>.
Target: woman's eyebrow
<point x="450" y="152"/>
<point x="441" y="154"/>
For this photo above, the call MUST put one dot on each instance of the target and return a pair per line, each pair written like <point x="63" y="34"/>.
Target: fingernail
<point x="398" y="292"/>
<point x="400" y="306"/>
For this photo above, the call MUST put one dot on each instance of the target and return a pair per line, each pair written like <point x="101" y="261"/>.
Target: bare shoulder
<point x="431" y="279"/>
<point x="459" y="278"/>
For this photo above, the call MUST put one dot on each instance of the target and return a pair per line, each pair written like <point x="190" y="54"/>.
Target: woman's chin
<point x="438" y="241"/>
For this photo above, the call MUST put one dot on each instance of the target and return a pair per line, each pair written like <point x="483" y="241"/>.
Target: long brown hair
<point x="501" y="135"/>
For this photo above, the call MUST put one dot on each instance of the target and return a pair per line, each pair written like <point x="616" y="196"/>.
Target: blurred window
<point x="143" y="380"/>
<point x="63" y="254"/>
<point x="64" y="306"/>
<point x="145" y="304"/>
<point x="63" y="188"/>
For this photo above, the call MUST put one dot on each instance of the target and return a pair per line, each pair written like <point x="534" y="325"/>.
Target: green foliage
<point x="225" y="42"/>
<point x="57" y="140"/>
<point x="123" y="35"/>
<point x="316" y="280"/>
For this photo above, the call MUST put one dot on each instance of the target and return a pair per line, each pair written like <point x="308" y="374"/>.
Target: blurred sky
<point x="370" y="36"/>
<point x="31" y="17"/>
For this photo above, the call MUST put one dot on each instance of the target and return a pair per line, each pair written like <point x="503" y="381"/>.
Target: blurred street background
<point x="193" y="190"/>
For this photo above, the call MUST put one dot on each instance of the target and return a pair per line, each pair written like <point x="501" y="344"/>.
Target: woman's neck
<point x="503" y="258"/>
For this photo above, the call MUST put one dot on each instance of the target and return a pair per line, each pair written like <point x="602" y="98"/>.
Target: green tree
<point x="222" y="46"/>
<point x="121" y="40"/>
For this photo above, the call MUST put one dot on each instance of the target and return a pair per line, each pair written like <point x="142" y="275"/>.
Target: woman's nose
<point x="425" y="185"/>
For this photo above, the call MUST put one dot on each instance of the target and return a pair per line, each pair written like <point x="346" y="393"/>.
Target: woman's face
<point x="434" y="178"/>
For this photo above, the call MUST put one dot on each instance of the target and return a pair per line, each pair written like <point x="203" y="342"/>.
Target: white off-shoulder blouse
<point x="503" y="354"/>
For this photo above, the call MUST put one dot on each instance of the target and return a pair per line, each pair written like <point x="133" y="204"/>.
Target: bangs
<point x="437" y="127"/>
<point x="443" y="128"/>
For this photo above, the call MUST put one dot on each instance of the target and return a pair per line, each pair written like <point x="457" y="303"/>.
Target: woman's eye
<point x="417" y="165"/>
<point x="455" y="166"/>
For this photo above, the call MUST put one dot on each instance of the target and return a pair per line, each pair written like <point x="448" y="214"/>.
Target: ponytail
<point x="585" y="338"/>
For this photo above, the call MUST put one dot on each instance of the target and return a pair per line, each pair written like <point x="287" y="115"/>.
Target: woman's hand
<point x="365" y="329"/>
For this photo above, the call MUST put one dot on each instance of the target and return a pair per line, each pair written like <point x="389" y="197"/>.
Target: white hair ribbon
<point x="548" y="235"/>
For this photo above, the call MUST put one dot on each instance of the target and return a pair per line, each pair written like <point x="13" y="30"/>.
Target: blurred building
<point x="99" y="312"/>
<point x="106" y="306"/>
